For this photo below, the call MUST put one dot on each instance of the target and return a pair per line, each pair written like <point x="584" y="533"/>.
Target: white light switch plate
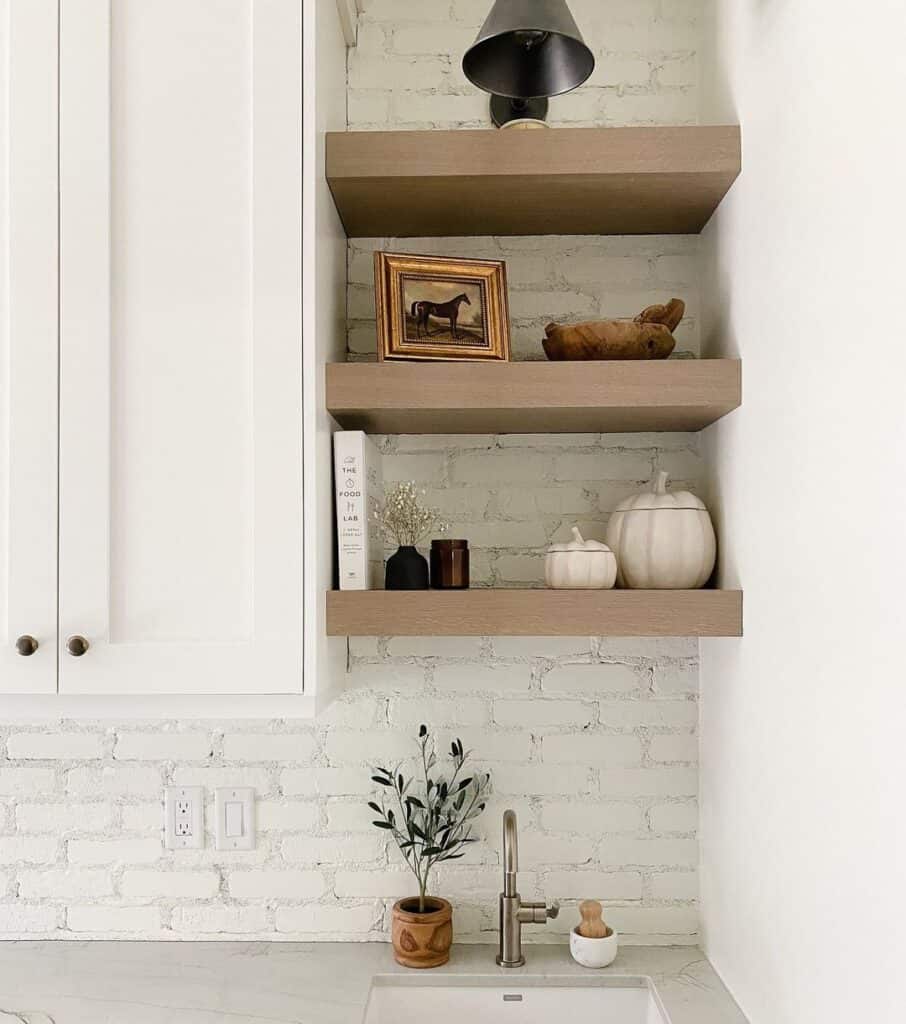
<point x="234" y="817"/>
<point x="184" y="817"/>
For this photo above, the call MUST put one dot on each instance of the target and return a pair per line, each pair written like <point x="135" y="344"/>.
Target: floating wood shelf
<point x="534" y="613"/>
<point x="502" y="398"/>
<point x="586" y="181"/>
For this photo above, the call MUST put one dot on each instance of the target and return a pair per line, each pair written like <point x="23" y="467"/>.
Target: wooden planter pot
<point x="422" y="940"/>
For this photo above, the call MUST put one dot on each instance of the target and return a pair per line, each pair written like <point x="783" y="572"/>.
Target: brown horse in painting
<point x="443" y="310"/>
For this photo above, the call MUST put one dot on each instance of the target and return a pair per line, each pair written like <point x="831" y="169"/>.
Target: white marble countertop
<point x="289" y="983"/>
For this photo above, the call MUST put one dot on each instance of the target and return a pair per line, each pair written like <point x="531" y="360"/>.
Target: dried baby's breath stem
<point x="404" y="519"/>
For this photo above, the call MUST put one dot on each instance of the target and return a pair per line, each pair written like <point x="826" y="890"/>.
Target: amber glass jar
<point x="449" y="564"/>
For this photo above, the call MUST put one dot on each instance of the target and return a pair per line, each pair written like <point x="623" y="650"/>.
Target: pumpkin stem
<point x="578" y="536"/>
<point x="660" y="482"/>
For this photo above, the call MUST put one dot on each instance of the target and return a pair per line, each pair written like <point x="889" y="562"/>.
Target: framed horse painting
<point x="438" y="307"/>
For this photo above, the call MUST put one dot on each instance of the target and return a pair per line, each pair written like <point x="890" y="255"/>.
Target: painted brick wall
<point x="592" y="741"/>
<point x="406" y="71"/>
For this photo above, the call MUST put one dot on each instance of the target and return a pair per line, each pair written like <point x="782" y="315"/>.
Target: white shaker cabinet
<point x="173" y="553"/>
<point x="28" y="347"/>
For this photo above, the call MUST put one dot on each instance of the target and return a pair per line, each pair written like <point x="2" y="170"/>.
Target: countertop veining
<point x="289" y="983"/>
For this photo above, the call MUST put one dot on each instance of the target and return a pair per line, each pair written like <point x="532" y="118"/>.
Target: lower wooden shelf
<point x="534" y="612"/>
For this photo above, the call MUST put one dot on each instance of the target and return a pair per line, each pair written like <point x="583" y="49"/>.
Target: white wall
<point x="803" y="879"/>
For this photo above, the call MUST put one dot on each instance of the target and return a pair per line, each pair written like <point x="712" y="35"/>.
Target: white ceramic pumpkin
<point x="580" y="565"/>
<point x="662" y="540"/>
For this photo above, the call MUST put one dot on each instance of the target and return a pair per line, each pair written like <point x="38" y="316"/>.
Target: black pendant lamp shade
<point x="528" y="49"/>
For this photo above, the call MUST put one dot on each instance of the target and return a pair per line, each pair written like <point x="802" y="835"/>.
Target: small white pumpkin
<point x="662" y="540"/>
<point x="580" y="565"/>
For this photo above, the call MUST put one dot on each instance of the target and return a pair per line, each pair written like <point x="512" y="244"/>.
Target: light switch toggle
<point x="234" y="815"/>
<point x="233" y="819"/>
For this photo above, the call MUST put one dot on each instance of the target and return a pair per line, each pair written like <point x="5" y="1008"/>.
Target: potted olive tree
<point x="429" y="815"/>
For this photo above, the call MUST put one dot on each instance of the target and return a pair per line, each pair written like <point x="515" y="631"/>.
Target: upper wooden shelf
<point x="586" y="181"/>
<point x="532" y="397"/>
<point x="534" y="613"/>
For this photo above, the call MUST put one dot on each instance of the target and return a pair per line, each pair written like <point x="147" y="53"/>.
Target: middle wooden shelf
<point x="532" y="397"/>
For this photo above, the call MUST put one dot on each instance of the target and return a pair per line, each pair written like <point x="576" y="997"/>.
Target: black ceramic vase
<point x="406" y="570"/>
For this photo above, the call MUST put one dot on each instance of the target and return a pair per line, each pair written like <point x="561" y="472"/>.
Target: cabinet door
<point x="181" y="361"/>
<point x="28" y="345"/>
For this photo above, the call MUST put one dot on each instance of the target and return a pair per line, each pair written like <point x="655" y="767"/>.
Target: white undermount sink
<point x="494" y="1000"/>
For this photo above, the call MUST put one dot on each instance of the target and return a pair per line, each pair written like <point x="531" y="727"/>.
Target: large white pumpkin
<point x="662" y="540"/>
<point x="580" y="565"/>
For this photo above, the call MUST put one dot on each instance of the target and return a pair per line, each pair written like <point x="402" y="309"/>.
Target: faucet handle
<point x="537" y="913"/>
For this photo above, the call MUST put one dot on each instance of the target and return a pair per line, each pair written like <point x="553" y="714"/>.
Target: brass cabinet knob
<point x="26" y="645"/>
<point x="77" y="646"/>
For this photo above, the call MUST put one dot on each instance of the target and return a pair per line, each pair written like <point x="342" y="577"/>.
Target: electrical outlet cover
<point x="184" y="817"/>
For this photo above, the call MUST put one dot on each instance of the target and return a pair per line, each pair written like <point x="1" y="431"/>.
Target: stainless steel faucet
<point x="513" y="912"/>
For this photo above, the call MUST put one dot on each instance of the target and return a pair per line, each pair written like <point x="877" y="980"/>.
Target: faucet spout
<point x="510" y="853"/>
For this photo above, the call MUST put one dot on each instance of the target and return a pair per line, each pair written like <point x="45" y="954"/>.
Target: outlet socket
<point x="184" y="817"/>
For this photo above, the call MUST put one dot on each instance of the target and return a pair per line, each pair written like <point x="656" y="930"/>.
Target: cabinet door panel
<point x="181" y="492"/>
<point x="28" y="343"/>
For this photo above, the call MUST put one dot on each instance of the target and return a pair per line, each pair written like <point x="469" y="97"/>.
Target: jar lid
<point x="449" y="544"/>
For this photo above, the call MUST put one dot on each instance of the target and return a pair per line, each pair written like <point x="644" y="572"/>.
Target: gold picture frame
<point x="441" y="308"/>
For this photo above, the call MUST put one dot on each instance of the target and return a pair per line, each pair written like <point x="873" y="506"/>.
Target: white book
<point x="360" y="490"/>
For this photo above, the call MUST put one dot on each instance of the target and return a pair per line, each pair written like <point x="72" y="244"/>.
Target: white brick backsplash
<point x="76" y="746"/>
<point x="408" y="714"/>
<point x="674" y="748"/>
<point x="144" y="817"/>
<point x="349" y="816"/>
<point x="482" y="678"/>
<point x="676" y="679"/>
<point x="292" y="885"/>
<point x="286" y="816"/>
<point x="333" y="850"/>
<point x="653" y="920"/>
<point x="537" y="849"/>
<point x="624" y="782"/>
<point x="213" y="920"/>
<point x="674" y="885"/>
<point x="28" y="920"/>
<point x="434" y="646"/>
<point x="290" y="747"/>
<point x="536" y="712"/>
<point x="26" y="782"/>
<point x="175" y="885"/>
<point x="592" y="748"/>
<point x="65" y="883"/>
<point x="656" y="714"/>
<point x="544" y="780"/>
<point x="115" y="780"/>
<point x="590" y="739"/>
<point x="674" y="817"/>
<point x="128" y="920"/>
<point x="597" y="885"/>
<point x="27" y="850"/>
<point x="328" y="921"/>
<point x="162" y="746"/>
<point x="113" y="851"/>
<point x="549" y="647"/>
<point x="322" y="781"/>
<point x="587" y="818"/>
<point x="603" y="466"/>
<point x="368" y="748"/>
<point x="652" y="852"/>
<point x="592" y="678"/>
<point x="384" y="884"/>
<point x="59" y="818"/>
